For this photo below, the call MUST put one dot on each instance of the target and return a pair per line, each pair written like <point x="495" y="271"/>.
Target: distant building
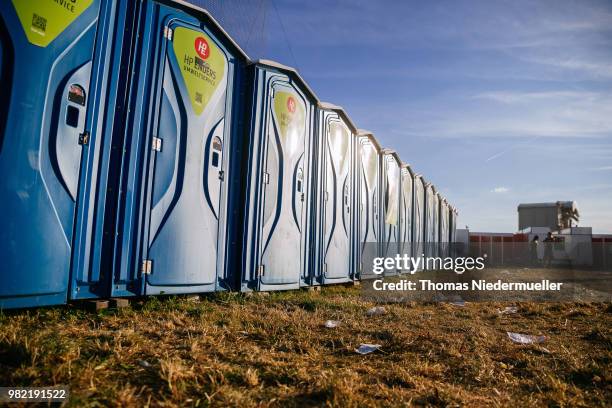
<point x="556" y="216"/>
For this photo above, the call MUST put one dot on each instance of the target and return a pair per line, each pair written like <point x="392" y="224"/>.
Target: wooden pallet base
<point x="94" y="305"/>
<point x="119" y="303"/>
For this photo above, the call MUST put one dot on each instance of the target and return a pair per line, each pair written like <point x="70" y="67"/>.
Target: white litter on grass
<point x="330" y="324"/>
<point x="376" y="311"/>
<point x="525" y="338"/>
<point x="508" y="310"/>
<point x="367" y="348"/>
<point x="144" y="363"/>
<point x="460" y="303"/>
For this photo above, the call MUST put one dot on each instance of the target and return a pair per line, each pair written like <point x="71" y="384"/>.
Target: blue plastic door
<point x="406" y="212"/>
<point x="336" y="200"/>
<point x="418" y="218"/>
<point x="391" y="202"/>
<point x="392" y="205"/>
<point x="48" y="146"/>
<point x="187" y="177"/>
<point x="285" y="184"/>
<point x="369" y="221"/>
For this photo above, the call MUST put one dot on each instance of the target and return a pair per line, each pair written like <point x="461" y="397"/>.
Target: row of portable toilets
<point x="143" y="153"/>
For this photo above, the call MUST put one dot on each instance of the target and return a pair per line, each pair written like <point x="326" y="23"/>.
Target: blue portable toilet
<point x="54" y="67"/>
<point x="431" y="210"/>
<point x="452" y="235"/>
<point x="391" y="197"/>
<point x="436" y="224"/>
<point x="406" y="210"/>
<point x="368" y="192"/>
<point x="335" y="257"/>
<point x="179" y="211"/>
<point x="444" y="227"/>
<point x="452" y="232"/>
<point x="437" y="199"/>
<point x="280" y="179"/>
<point x="418" y="217"/>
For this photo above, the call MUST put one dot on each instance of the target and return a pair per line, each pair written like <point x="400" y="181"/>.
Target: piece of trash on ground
<point x="508" y="310"/>
<point x="525" y="338"/>
<point x="330" y="324"/>
<point x="144" y="363"/>
<point x="376" y="311"/>
<point x="367" y="348"/>
<point x="460" y="303"/>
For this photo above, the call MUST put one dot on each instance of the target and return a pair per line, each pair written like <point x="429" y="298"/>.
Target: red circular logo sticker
<point x="291" y="104"/>
<point x="202" y="48"/>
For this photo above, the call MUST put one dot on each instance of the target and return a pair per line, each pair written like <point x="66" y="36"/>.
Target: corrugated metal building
<point x="558" y="215"/>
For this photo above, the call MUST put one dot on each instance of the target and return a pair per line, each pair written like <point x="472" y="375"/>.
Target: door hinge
<point x="266" y="178"/>
<point x="146" y="267"/>
<point x="84" y="138"/>
<point x="168" y="33"/>
<point x="302" y="197"/>
<point x="261" y="270"/>
<point x="221" y="175"/>
<point x="156" y="144"/>
<point x="326" y="196"/>
<point x="325" y="267"/>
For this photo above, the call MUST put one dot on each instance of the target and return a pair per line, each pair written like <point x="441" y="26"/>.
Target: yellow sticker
<point x="339" y="143"/>
<point x="44" y="20"/>
<point x="370" y="160"/>
<point x="393" y="194"/>
<point x="289" y="111"/>
<point x="202" y="65"/>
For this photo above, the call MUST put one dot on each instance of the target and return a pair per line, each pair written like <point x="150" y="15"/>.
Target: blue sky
<point x="495" y="102"/>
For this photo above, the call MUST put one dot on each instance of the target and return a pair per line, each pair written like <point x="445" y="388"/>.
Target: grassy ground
<point x="273" y="350"/>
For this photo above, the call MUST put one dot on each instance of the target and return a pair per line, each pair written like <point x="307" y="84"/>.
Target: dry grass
<point x="272" y="350"/>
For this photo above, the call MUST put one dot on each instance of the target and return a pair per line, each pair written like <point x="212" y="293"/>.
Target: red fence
<point x="515" y="249"/>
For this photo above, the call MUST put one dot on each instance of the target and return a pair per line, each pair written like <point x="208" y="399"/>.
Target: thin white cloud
<point x="587" y="64"/>
<point x="602" y="168"/>
<point x="524" y="97"/>
<point x="517" y="114"/>
<point x="500" y="190"/>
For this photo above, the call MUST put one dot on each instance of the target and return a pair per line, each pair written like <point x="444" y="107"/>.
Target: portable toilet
<point x="450" y="223"/>
<point x="418" y="217"/>
<point x="54" y="68"/>
<point x="435" y="230"/>
<point x="452" y="232"/>
<point x="406" y="210"/>
<point x="444" y="228"/>
<point x="368" y="191"/>
<point x="179" y="214"/>
<point x="431" y="210"/>
<point x="391" y="197"/>
<point x="280" y="179"/>
<point x="436" y="213"/>
<point x="335" y="262"/>
<point x="452" y="237"/>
